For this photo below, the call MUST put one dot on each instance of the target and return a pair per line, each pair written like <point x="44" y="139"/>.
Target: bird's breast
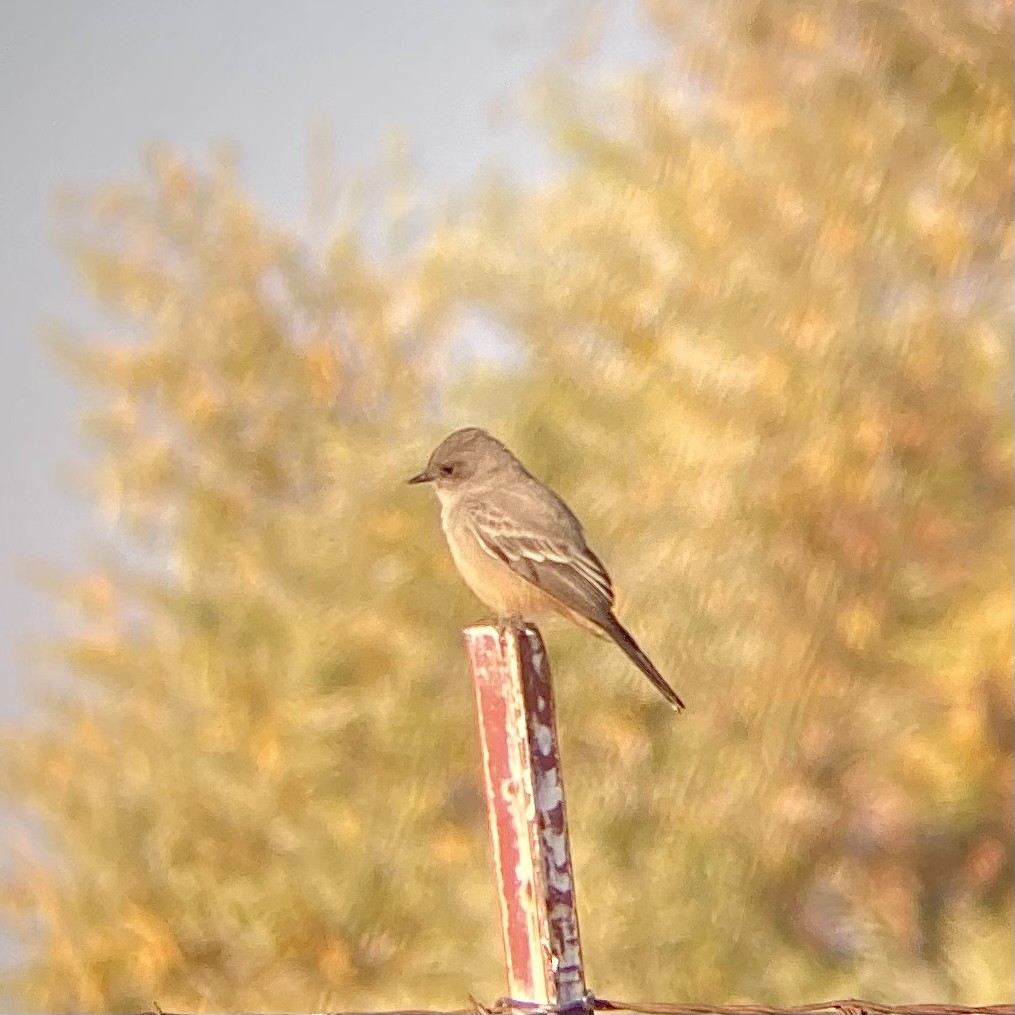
<point x="490" y="579"/>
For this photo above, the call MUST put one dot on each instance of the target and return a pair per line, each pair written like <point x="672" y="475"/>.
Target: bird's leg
<point x="486" y="621"/>
<point x="500" y="621"/>
<point x="515" y="620"/>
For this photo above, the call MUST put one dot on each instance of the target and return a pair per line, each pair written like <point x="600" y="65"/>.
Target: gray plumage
<point x="494" y="511"/>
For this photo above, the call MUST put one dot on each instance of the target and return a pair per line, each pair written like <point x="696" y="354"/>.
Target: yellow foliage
<point x="155" y="952"/>
<point x="335" y="962"/>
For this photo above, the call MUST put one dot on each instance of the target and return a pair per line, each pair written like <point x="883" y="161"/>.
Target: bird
<point x="519" y="547"/>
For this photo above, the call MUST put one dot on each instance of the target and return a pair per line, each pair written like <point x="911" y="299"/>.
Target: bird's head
<point x="465" y="456"/>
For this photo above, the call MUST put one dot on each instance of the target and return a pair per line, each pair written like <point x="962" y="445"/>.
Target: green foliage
<point x="762" y="334"/>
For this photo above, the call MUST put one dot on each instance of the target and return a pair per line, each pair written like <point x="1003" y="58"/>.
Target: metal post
<point x="528" y="821"/>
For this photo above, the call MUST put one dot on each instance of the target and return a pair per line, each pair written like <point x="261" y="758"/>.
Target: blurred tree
<point x="219" y="794"/>
<point x="766" y="323"/>
<point x="759" y="334"/>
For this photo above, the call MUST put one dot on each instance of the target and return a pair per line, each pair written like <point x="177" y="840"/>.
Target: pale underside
<point x="507" y="568"/>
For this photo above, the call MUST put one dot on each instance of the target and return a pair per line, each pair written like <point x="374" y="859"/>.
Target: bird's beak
<point x="421" y="477"/>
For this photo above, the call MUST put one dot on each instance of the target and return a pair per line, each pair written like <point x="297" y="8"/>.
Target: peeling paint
<point x="544" y="738"/>
<point x="527" y="813"/>
<point x="556" y="845"/>
<point x="549" y="792"/>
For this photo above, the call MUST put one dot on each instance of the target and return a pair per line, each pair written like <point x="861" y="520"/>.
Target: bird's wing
<point x="562" y="566"/>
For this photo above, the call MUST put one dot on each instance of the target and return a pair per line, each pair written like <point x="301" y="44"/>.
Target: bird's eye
<point x="447" y="470"/>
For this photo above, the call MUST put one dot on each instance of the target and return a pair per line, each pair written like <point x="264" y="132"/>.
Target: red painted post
<point x="528" y="821"/>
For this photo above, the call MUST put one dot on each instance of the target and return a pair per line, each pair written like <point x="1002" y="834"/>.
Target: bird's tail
<point x="620" y="635"/>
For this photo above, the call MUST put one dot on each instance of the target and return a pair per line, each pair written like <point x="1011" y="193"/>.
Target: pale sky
<point x="84" y="86"/>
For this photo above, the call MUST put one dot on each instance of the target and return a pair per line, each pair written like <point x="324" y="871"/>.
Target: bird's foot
<point x="501" y="622"/>
<point x="513" y="620"/>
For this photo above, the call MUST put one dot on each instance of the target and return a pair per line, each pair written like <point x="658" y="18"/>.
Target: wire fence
<point x="842" y="1006"/>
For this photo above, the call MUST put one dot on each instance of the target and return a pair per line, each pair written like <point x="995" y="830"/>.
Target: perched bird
<point x="519" y="547"/>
